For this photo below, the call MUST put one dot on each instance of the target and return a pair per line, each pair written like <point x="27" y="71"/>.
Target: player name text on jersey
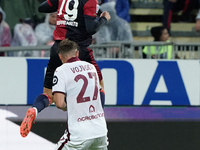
<point x="81" y="68"/>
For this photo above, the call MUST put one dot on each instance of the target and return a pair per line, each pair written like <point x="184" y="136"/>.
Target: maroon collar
<point x="73" y="59"/>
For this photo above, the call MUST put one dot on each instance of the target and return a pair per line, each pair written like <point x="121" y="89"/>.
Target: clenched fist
<point x="106" y="15"/>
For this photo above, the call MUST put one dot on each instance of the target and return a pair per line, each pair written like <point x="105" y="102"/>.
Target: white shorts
<point x="100" y="143"/>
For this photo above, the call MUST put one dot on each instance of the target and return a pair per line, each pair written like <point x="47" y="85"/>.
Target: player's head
<point x="67" y="49"/>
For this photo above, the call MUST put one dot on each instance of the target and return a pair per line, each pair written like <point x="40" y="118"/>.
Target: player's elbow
<point x="62" y="106"/>
<point x="58" y="105"/>
<point x="39" y="9"/>
<point x="91" y="26"/>
<point x="59" y="100"/>
<point x="46" y="8"/>
<point x="42" y="7"/>
<point x="91" y="31"/>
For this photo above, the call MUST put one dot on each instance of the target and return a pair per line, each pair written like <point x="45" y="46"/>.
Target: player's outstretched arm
<point x="46" y="8"/>
<point x="94" y="24"/>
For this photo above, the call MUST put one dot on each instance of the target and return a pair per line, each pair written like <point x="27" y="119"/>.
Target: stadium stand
<point x="148" y="13"/>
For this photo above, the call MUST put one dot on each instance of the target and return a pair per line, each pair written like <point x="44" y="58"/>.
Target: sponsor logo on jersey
<point x="91" y="108"/>
<point x="69" y="23"/>
<point x="55" y="80"/>
<point x="90" y="117"/>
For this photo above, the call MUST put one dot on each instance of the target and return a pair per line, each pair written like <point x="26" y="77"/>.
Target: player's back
<point x="70" y="19"/>
<point x="85" y="113"/>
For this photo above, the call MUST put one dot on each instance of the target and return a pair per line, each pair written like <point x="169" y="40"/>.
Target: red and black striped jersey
<point x="71" y="16"/>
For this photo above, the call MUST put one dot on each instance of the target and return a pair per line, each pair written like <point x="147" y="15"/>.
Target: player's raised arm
<point x="94" y="17"/>
<point x="48" y="7"/>
<point x="94" y="24"/>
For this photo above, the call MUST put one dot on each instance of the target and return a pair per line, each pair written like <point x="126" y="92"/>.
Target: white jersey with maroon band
<point x="79" y="81"/>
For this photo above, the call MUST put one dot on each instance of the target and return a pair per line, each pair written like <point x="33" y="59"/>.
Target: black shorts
<point x="54" y="62"/>
<point x="85" y="54"/>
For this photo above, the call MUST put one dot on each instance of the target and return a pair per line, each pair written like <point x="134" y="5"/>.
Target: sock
<point x="36" y="112"/>
<point x="41" y="102"/>
<point x="102" y="96"/>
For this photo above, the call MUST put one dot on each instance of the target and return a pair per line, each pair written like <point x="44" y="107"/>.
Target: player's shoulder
<point x="58" y="69"/>
<point x="91" y="66"/>
<point x="86" y="63"/>
<point x="63" y="67"/>
<point x="84" y="1"/>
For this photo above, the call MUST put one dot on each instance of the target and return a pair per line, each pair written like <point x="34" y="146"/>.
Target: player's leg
<point x="102" y="96"/>
<point x="102" y="84"/>
<point x="86" y="54"/>
<point x="43" y="100"/>
<point x="100" y="143"/>
<point x="65" y="144"/>
<point x="102" y="92"/>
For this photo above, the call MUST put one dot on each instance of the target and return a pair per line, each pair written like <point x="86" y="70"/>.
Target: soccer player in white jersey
<point x="76" y="89"/>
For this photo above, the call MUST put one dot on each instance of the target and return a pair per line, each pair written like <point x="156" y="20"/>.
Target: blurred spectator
<point x="102" y="1"/>
<point x="174" y="6"/>
<point x="5" y="33"/>
<point x="44" y="31"/>
<point x="161" y="34"/>
<point x="197" y="25"/>
<point x="117" y="29"/>
<point x="16" y="10"/>
<point x="24" y="35"/>
<point x="122" y="8"/>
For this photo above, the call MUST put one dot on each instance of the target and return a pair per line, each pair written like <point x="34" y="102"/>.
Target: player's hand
<point x="106" y="15"/>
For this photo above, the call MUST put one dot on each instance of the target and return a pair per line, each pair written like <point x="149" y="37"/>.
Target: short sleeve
<point x="91" y="8"/>
<point x="58" y="81"/>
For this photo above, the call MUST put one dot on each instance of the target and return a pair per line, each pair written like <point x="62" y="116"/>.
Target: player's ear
<point x="77" y="53"/>
<point x="60" y="56"/>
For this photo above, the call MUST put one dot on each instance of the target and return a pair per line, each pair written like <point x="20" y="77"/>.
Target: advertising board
<point x="127" y="81"/>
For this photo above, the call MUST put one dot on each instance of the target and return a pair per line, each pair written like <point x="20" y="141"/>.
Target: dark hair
<point x="156" y="32"/>
<point x="66" y="46"/>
